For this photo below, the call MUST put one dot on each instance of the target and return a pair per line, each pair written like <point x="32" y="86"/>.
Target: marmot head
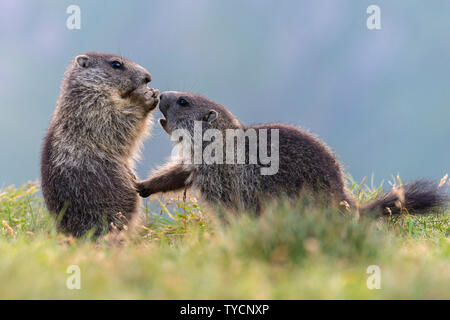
<point x="182" y="109"/>
<point x="107" y="73"/>
<point x="105" y="103"/>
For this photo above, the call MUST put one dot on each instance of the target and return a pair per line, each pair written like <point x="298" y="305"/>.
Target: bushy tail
<point x="415" y="197"/>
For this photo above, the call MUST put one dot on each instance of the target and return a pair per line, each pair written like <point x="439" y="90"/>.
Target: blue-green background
<point x="380" y="99"/>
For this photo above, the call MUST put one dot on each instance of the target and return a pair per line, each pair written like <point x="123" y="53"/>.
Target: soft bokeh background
<point x="380" y="99"/>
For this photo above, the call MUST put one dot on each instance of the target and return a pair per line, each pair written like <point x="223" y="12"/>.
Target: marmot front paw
<point x="147" y="97"/>
<point x="143" y="189"/>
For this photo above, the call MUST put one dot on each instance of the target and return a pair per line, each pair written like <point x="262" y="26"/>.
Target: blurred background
<point x="379" y="98"/>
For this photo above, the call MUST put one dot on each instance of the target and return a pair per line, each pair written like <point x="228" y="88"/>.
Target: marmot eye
<point x="182" y="102"/>
<point x="116" y="65"/>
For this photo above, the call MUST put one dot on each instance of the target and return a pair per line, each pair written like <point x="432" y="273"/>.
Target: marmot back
<point x="87" y="159"/>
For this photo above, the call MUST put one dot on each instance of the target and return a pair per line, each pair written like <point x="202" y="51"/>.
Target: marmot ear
<point x="211" y="116"/>
<point x="82" y="60"/>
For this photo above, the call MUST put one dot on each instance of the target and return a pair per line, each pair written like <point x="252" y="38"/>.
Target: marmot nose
<point x="146" y="77"/>
<point x="168" y="95"/>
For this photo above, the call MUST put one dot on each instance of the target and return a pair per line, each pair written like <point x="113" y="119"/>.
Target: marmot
<point x="305" y="163"/>
<point x="87" y="161"/>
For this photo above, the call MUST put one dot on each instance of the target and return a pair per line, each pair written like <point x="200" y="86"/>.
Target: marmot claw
<point x="143" y="190"/>
<point x="147" y="97"/>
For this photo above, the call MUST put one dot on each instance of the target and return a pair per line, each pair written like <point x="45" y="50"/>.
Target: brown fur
<point x="305" y="164"/>
<point x="94" y="136"/>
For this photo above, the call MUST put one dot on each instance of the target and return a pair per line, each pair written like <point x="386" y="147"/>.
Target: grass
<point x="181" y="252"/>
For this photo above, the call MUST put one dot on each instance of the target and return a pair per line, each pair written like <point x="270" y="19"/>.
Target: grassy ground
<point x="299" y="252"/>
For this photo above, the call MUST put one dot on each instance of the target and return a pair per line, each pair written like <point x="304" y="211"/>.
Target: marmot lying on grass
<point x="280" y="160"/>
<point x="87" y="159"/>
